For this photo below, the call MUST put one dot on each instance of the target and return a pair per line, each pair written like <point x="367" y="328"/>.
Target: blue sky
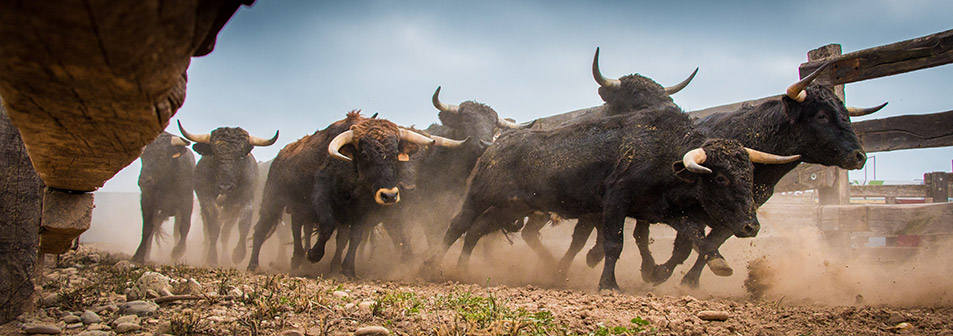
<point x="296" y="66"/>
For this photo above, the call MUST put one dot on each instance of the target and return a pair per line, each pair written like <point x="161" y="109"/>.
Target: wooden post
<point x="938" y="184"/>
<point x="20" y="197"/>
<point x="839" y="192"/>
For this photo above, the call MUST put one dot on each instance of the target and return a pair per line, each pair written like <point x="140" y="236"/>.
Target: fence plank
<point x="906" y="132"/>
<point x="891" y="59"/>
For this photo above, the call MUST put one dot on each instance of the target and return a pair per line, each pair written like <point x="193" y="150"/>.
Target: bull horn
<point x="440" y="141"/>
<point x="374" y="116"/>
<point x="415" y="137"/>
<point x="503" y="123"/>
<point x="693" y="160"/>
<point x="796" y="90"/>
<point x="603" y="82"/>
<point x="862" y="111"/>
<point x="177" y="141"/>
<point x="670" y="90"/>
<point x="339" y="141"/>
<point x="256" y="141"/>
<point x="768" y="158"/>
<point x="441" y="106"/>
<point x="203" y="138"/>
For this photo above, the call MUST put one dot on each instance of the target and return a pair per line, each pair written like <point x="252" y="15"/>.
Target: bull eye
<point x="721" y="180"/>
<point x="822" y="118"/>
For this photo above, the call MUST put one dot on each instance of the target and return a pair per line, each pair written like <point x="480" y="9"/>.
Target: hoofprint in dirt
<point x="89" y="290"/>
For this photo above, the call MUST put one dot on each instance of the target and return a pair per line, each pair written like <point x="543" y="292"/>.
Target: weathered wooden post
<point x="839" y="191"/>
<point x="938" y="186"/>
<point x="20" y="195"/>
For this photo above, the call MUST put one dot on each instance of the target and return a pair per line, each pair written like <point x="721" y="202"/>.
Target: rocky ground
<point x="90" y="292"/>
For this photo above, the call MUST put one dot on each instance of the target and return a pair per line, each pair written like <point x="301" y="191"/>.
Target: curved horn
<point x="441" y="106"/>
<point x="862" y="111"/>
<point x="693" y="160"/>
<point x="796" y="90"/>
<point x="374" y="116"/>
<point x="415" y="137"/>
<point x="503" y="123"/>
<point x="768" y="158"/>
<point x="670" y="90"/>
<point x="603" y="82"/>
<point x="177" y="141"/>
<point x="202" y="138"/>
<point x="256" y="141"/>
<point x="440" y="141"/>
<point x="339" y="141"/>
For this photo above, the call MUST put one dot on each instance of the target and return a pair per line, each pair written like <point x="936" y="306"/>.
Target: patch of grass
<point x="78" y="298"/>
<point x="477" y="315"/>
<point x="406" y="303"/>
<point x="189" y="323"/>
<point x="638" y="326"/>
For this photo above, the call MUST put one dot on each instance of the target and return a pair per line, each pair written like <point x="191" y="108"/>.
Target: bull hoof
<point x="238" y="254"/>
<point x="720" y="267"/>
<point x="690" y="282"/>
<point x="648" y="270"/>
<point x="252" y="266"/>
<point x="609" y="285"/>
<point x="297" y="262"/>
<point x="137" y="259"/>
<point x="594" y="257"/>
<point x="315" y="255"/>
<point x="178" y="252"/>
<point x="661" y="274"/>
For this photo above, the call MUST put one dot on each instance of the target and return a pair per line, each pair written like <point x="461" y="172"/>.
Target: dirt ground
<point x="781" y="286"/>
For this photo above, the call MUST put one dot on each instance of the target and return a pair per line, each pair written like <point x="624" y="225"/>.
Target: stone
<point x="366" y="306"/>
<point x="124" y="265"/>
<point x="153" y="284"/>
<point x="96" y="333"/>
<point x="164" y="327"/>
<point x="31" y="329"/>
<point x="76" y="325"/>
<point x="89" y="317"/>
<point x="291" y="333"/>
<point x="188" y="287"/>
<point x="140" y="308"/>
<point x="127" y="327"/>
<point x="70" y="319"/>
<point x="340" y="294"/>
<point x="372" y="331"/>
<point x="713" y="315"/>
<point x="126" y="319"/>
<point x="96" y="326"/>
<point x="49" y="300"/>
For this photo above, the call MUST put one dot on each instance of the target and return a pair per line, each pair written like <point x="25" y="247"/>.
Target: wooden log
<point x="20" y="196"/>
<point x="891" y="59"/>
<point x="905" y="190"/>
<point x="807" y="177"/>
<point x="906" y="132"/>
<point x="938" y="186"/>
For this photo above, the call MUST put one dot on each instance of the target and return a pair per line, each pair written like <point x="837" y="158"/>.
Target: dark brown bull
<point x="225" y="179"/>
<point x="305" y="181"/>
<point x="166" y="185"/>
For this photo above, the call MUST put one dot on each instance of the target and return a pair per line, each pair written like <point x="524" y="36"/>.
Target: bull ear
<point x="406" y="148"/>
<point x="683" y="174"/>
<point x="202" y="148"/>
<point x="792" y="109"/>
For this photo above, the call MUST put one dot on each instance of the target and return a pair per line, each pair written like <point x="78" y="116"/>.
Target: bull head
<point x="450" y="108"/>
<point x="797" y="93"/>
<point x="615" y="83"/>
<point x="205" y="138"/>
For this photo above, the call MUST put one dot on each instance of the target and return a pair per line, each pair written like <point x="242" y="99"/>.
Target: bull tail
<point x="160" y="236"/>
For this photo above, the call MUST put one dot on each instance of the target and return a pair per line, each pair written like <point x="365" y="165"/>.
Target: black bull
<point x="349" y="191"/>
<point x="225" y="179"/>
<point x="166" y="185"/>
<point x="643" y="165"/>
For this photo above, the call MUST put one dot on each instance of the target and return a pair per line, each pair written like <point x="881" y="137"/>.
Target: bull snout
<point x="857" y="158"/>
<point x="749" y="229"/>
<point x="387" y="196"/>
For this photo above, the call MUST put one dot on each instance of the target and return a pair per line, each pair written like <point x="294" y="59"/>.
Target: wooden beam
<point x="906" y="132"/>
<point x="896" y="58"/>
<point x="905" y="190"/>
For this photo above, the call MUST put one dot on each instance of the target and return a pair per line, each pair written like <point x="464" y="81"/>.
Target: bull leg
<point x="340" y="242"/>
<point x="148" y="227"/>
<point x="613" y="219"/>
<point x="641" y="234"/>
<point x="458" y="225"/>
<point x="716" y="237"/>
<point x="183" y="223"/>
<point x="680" y="251"/>
<point x="228" y="218"/>
<point x="297" y="245"/>
<point x="212" y="230"/>
<point x="398" y="235"/>
<point x="530" y="234"/>
<point x="268" y="216"/>
<point x="355" y="235"/>
<point x="244" y="224"/>
<point x="325" y="229"/>
<point x="596" y="253"/>
<point x="580" y="234"/>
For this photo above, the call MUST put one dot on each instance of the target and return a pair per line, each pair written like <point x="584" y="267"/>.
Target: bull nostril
<point x="387" y="196"/>
<point x="860" y="156"/>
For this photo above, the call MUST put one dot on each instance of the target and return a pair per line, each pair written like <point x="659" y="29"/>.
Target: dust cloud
<point x="794" y="263"/>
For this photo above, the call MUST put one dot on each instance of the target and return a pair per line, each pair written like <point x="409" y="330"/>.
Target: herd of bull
<point x="638" y="155"/>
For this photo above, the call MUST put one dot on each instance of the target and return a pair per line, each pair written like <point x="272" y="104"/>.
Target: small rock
<point x="372" y="331"/>
<point x="70" y="319"/>
<point x="96" y="326"/>
<point x="96" y="333"/>
<point x="30" y="328"/>
<point x="367" y="306"/>
<point x="74" y="325"/>
<point x="50" y="299"/>
<point x="216" y="319"/>
<point x="152" y="321"/>
<point x="349" y="307"/>
<point x="89" y="317"/>
<point x="291" y="333"/>
<point x="124" y="265"/>
<point x="127" y="327"/>
<point x="152" y="294"/>
<point x="340" y="294"/>
<point x="713" y="315"/>
<point x="896" y="317"/>
<point x="236" y="292"/>
<point x="164" y="328"/>
<point x="140" y="308"/>
<point x="126" y="319"/>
